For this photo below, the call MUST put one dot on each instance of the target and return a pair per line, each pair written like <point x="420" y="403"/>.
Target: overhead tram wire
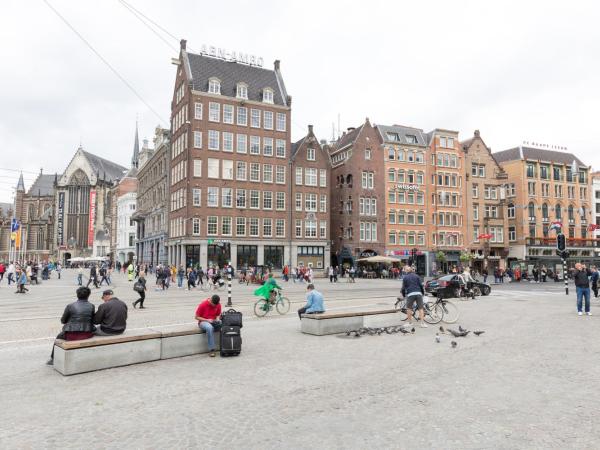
<point x="137" y="15"/>
<point x="131" y="88"/>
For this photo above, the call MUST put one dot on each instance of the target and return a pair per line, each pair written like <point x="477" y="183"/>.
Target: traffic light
<point x="561" y="242"/>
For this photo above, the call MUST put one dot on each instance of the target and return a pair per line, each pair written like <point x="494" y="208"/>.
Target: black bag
<point x="138" y="287"/>
<point x="231" y="341"/>
<point x="232" y="318"/>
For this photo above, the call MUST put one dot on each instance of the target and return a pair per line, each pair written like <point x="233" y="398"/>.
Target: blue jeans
<point x="179" y="281"/>
<point x="80" y="280"/>
<point x="210" y="328"/>
<point x="583" y="292"/>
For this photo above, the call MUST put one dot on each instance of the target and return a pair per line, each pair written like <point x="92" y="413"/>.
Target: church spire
<point x="21" y="184"/>
<point x="135" y="159"/>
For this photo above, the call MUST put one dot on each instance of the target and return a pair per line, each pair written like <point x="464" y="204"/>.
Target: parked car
<point x="449" y="286"/>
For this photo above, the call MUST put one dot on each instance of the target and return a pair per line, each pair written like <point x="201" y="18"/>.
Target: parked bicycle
<point x="433" y="311"/>
<point x="210" y="285"/>
<point x="262" y="306"/>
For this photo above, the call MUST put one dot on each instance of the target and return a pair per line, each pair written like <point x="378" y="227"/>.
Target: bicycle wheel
<point x="261" y="308"/>
<point x="434" y="313"/>
<point x="282" y="305"/>
<point x="476" y="291"/>
<point x="400" y="306"/>
<point x="451" y="312"/>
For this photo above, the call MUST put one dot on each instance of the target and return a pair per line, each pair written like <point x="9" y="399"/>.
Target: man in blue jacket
<point x="314" y="302"/>
<point x="412" y="289"/>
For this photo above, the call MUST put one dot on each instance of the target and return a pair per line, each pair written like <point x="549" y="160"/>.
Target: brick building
<point x="357" y="195"/>
<point x="309" y="217"/>
<point x="546" y="186"/>
<point x="34" y="209"/>
<point x="229" y="162"/>
<point x="486" y="185"/>
<point x="407" y="203"/>
<point x="447" y="224"/>
<point x="152" y="206"/>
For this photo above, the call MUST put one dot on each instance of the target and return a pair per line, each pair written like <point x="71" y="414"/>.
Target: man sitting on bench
<point x="77" y="320"/>
<point x="111" y="315"/>
<point x="314" y="302"/>
<point x="207" y="315"/>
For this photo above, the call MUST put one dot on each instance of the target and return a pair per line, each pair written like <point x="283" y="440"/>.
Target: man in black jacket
<point x="412" y="289"/>
<point x="111" y="315"/>
<point x="77" y="319"/>
<point x="582" y="285"/>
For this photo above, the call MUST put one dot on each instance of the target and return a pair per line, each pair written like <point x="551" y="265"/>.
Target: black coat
<point x="79" y="316"/>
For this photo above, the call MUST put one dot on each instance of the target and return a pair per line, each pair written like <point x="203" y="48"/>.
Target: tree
<point x="440" y="257"/>
<point x="466" y="257"/>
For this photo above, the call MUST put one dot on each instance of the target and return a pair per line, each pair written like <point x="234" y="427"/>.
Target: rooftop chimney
<point x="182" y="44"/>
<point x="276" y="64"/>
<point x="310" y="129"/>
<point x="476" y="134"/>
<point x="351" y="129"/>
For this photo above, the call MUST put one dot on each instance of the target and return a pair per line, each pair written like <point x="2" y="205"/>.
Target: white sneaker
<point x="589" y="313"/>
<point x="580" y="313"/>
<point x="423" y="325"/>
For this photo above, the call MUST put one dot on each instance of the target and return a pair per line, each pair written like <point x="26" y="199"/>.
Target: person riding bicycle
<point x="268" y="291"/>
<point x="412" y="289"/>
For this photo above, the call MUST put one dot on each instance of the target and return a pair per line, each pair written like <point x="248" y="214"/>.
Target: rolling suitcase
<point x="232" y="318"/>
<point x="231" y="340"/>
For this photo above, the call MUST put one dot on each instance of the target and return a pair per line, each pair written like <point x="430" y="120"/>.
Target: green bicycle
<point x="262" y="306"/>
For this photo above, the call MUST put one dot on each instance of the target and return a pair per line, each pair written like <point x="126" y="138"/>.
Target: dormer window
<point x="268" y="95"/>
<point x="242" y="91"/>
<point x="214" y="86"/>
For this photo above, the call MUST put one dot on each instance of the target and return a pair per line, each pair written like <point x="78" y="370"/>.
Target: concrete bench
<point x="131" y="347"/>
<point x="340" y="322"/>
<point x="183" y="340"/>
<point x="103" y="352"/>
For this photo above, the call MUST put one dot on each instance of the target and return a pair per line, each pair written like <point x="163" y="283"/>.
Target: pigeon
<point x="412" y="330"/>
<point x="403" y="330"/>
<point x="477" y="333"/>
<point x="458" y="333"/>
<point x="442" y="330"/>
<point x="461" y="329"/>
<point x="454" y="344"/>
<point x="438" y="339"/>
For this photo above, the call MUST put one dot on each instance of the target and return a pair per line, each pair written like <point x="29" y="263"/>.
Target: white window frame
<point x="213" y="140"/>
<point x="242" y="143"/>
<point x="198" y="111"/>
<point x="197" y="168"/>
<point x="242" y="167"/>
<point x="254" y="118"/>
<point x="227" y="167"/>
<point x="196" y="197"/>
<point x="242" y="116"/>
<point x="214" y="112"/>
<point x="268" y="120"/>
<point x="210" y="222"/>
<point x="212" y="197"/>
<point x="227" y="141"/>
<point x="280" y="123"/>
<point x="228" y="112"/>
<point x="311" y="154"/>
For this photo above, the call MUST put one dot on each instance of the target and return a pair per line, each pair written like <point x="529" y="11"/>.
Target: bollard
<point x="565" y="277"/>
<point x="229" y="289"/>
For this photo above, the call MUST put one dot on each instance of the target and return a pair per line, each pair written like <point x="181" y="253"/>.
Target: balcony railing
<point x="571" y="242"/>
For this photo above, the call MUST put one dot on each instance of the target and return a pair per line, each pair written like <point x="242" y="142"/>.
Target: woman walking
<point x="140" y="288"/>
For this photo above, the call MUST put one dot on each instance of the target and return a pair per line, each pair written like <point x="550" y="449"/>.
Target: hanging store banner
<point x="60" y="219"/>
<point x="92" y="218"/>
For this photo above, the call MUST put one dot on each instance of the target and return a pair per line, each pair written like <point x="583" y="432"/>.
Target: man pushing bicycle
<point x="412" y="289"/>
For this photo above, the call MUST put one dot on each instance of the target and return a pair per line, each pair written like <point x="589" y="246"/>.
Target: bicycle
<point x="451" y="312"/>
<point x="262" y="306"/>
<point x="210" y="285"/>
<point x="434" y="312"/>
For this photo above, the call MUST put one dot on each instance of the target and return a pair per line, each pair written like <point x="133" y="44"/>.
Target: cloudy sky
<point x="514" y="70"/>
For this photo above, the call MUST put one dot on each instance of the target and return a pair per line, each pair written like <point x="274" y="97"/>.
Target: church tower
<point x="19" y="197"/>
<point x="135" y="159"/>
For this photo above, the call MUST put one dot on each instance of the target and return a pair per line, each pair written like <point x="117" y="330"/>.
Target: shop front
<point x="218" y="253"/>
<point x="247" y="256"/>
<point x="311" y="256"/>
<point x="273" y="256"/>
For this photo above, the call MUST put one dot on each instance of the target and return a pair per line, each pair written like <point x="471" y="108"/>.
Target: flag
<point x="592" y="227"/>
<point x="556" y="225"/>
<point x="484" y="236"/>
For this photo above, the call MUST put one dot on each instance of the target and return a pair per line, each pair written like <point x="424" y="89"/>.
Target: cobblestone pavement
<point x="528" y="382"/>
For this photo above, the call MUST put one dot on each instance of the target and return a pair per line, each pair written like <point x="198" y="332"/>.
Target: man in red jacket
<point x="207" y="315"/>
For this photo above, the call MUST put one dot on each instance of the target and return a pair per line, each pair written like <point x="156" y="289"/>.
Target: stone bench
<point x="340" y="322"/>
<point x="103" y="352"/>
<point x="184" y="340"/>
<point x="131" y="347"/>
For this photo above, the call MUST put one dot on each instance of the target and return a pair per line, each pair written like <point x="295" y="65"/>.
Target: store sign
<point x="60" y="219"/>
<point x="92" y="218"/>
<point x="227" y="55"/>
<point x="408" y="187"/>
<point x="367" y="254"/>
